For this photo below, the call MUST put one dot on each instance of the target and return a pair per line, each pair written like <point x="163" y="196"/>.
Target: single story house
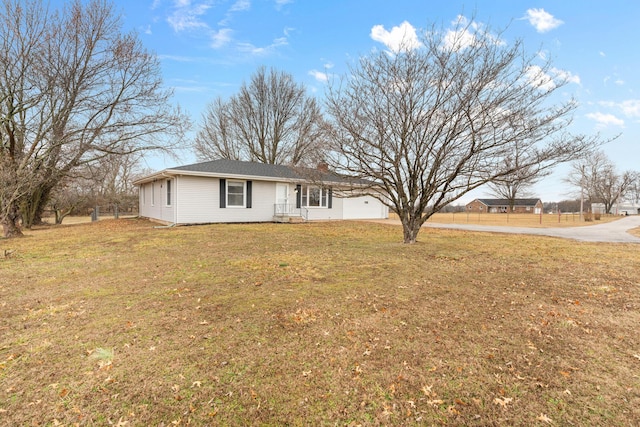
<point x="234" y="191"/>
<point x="533" y="206"/>
<point x="622" y="208"/>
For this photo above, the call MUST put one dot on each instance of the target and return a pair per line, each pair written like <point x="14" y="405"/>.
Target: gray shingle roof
<point x="235" y="167"/>
<point x="263" y="170"/>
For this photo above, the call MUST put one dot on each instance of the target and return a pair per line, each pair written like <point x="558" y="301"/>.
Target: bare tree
<point x="105" y="183"/>
<point x="518" y="183"/>
<point x="428" y="124"/>
<point x="634" y="188"/>
<point x="74" y="89"/>
<point x="596" y="175"/>
<point x="271" y="120"/>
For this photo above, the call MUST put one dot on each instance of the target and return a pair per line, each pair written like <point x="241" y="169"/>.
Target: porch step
<point x="288" y="219"/>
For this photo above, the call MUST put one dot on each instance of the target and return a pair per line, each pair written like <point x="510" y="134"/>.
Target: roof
<point x="506" y="202"/>
<point x="226" y="168"/>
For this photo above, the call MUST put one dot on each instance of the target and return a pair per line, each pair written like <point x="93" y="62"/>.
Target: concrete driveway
<point x="612" y="232"/>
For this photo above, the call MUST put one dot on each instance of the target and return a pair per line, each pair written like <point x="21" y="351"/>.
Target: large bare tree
<point x="75" y="88"/>
<point x="429" y="123"/>
<point x="596" y="176"/>
<point x="271" y="120"/>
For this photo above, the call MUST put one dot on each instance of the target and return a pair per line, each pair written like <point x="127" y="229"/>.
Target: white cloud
<point x="543" y="80"/>
<point x="538" y="78"/>
<point x="631" y="108"/>
<point x="240" y="6"/>
<point x="400" y="38"/>
<point x="566" y="76"/>
<point x="266" y="50"/>
<point x="604" y="120"/>
<point x="542" y="21"/>
<point x="187" y="16"/>
<point x="319" y="76"/>
<point x="458" y="39"/>
<point x="221" y="38"/>
<point x="463" y="34"/>
<point x="281" y="3"/>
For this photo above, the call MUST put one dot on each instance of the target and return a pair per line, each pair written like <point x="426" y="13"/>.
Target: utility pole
<point x="581" y="191"/>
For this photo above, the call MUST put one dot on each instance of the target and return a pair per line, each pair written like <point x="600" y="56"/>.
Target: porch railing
<point x="289" y="210"/>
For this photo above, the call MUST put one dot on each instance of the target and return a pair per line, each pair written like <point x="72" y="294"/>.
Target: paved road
<point x="613" y="232"/>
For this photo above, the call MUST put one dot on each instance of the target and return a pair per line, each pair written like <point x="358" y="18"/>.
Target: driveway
<point x="612" y="232"/>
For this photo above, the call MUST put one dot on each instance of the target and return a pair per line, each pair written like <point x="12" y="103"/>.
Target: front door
<point x="282" y="199"/>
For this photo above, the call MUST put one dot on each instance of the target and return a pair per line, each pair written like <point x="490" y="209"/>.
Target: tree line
<point x="74" y="90"/>
<point x="424" y="124"/>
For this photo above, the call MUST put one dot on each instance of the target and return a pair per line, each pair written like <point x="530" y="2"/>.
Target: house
<point x="533" y="206"/>
<point x="235" y="191"/>
<point x="622" y="208"/>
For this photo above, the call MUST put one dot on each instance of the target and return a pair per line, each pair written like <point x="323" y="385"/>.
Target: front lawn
<point x="335" y="323"/>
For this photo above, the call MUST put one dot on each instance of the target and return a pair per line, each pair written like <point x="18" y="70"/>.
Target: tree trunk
<point x="410" y="227"/>
<point x="61" y="214"/>
<point x="10" y="223"/>
<point x="33" y="208"/>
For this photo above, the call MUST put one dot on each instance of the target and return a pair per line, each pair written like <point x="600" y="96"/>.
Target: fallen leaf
<point x="504" y="401"/>
<point x="544" y="419"/>
<point x="427" y="390"/>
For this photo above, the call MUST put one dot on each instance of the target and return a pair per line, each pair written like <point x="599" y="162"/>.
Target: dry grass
<point x="315" y="324"/>
<point x="520" y="220"/>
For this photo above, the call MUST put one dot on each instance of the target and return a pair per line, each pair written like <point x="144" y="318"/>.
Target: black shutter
<point x="330" y="197"/>
<point x="248" y="194"/>
<point x="298" y="196"/>
<point x="223" y="193"/>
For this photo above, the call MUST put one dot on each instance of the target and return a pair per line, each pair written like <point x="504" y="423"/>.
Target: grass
<point x="521" y="219"/>
<point x="117" y="322"/>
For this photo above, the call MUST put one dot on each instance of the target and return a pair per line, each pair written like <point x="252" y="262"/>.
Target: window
<point x="153" y="194"/>
<point x="235" y="193"/>
<point x="168" y="192"/>
<point x="313" y="196"/>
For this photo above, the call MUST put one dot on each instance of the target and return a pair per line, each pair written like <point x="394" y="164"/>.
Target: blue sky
<point x="207" y="48"/>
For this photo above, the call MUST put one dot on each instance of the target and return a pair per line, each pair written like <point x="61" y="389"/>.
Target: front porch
<point x="288" y="213"/>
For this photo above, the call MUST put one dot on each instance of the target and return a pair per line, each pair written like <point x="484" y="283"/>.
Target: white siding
<point x="318" y="213"/>
<point x="364" y="207"/>
<point x="153" y="203"/>
<point x="196" y="200"/>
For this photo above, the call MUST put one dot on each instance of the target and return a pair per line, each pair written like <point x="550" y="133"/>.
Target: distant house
<point x="533" y="206"/>
<point x="234" y="191"/>
<point x="622" y="208"/>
